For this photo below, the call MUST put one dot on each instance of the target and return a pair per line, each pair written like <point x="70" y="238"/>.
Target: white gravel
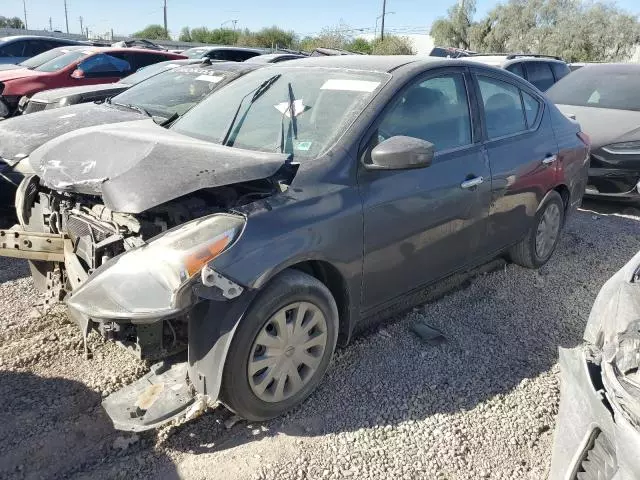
<point x="480" y="405"/>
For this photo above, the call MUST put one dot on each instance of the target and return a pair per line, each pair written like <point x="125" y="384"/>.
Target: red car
<point x="86" y="66"/>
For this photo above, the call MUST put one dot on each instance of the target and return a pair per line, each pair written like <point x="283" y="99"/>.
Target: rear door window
<point x="36" y="47"/>
<point x="13" y="49"/>
<point x="517" y="69"/>
<point x="560" y="70"/>
<point x="503" y="110"/>
<point x="539" y="74"/>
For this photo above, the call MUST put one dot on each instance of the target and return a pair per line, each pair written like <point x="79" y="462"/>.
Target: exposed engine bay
<point x="96" y="234"/>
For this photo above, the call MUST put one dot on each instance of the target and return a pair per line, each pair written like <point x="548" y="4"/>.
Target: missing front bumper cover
<point x="159" y="397"/>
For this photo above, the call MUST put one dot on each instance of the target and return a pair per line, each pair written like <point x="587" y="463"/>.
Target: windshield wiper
<point x="259" y="91"/>
<point x="131" y="106"/>
<point x="293" y="122"/>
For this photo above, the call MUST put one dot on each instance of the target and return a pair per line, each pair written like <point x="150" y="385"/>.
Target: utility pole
<point x="66" y="18"/>
<point x="166" y="30"/>
<point x="384" y="13"/>
<point x="81" y="25"/>
<point x="50" y="25"/>
<point x="24" y="6"/>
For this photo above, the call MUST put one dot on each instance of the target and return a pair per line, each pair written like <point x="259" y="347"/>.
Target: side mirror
<point x="400" y="152"/>
<point x="78" y="74"/>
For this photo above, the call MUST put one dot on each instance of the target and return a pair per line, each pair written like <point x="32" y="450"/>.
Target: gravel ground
<point x="481" y="404"/>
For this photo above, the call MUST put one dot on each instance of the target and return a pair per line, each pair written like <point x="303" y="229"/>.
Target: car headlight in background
<point x="148" y="282"/>
<point x="623" y="148"/>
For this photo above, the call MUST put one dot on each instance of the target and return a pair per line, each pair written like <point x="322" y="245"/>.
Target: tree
<point x="185" y="35"/>
<point x="152" y="32"/>
<point x="453" y="31"/>
<point x="392" y="45"/>
<point x="13" y="22"/>
<point x="272" y="37"/>
<point x="572" y="29"/>
<point x="359" y="45"/>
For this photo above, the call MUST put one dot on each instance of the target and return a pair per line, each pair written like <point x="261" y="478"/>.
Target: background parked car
<point x="450" y="52"/>
<point x="605" y="99"/>
<point x="164" y="96"/>
<point x="540" y="70"/>
<point x="64" y="97"/>
<point x="229" y="54"/>
<point x="382" y="176"/>
<point x="22" y="47"/>
<point x="42" y="58"/>
<point x="90" y="66"/>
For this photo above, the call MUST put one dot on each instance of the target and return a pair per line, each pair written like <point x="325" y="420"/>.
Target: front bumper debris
<point x="18" y="243"/>
<point x="159" y="397"/>
<point x="592" y="437"/>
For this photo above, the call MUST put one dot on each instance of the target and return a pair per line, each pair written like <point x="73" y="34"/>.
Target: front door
<point x="420" y="225"/>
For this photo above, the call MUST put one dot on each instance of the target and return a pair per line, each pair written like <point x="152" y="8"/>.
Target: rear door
<point x="422" y="224"/>
<point x="522" y="154"/>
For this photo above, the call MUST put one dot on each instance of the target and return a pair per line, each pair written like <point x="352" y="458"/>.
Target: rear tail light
<point x="586" y="139"/>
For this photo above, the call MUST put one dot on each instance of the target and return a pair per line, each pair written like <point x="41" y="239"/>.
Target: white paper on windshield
<point x="209" y="78"/>
<point x="298" y="108"/>
<point x="350" y="85"/>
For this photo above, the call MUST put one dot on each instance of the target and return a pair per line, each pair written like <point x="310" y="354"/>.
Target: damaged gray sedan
<point x="270" y="221"/>
<point x="598" y="429"/>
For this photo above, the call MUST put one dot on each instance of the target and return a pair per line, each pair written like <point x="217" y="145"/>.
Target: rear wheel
<point x="282" y="347"/>
<point x="537" y="247"/>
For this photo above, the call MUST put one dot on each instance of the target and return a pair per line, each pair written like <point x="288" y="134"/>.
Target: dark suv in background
<point x="540" y="70"/>
<point x="22" y="47"/>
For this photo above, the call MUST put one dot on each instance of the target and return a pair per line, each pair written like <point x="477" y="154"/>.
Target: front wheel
<point x="282" y="347"/>
<point x="537" y="247"/>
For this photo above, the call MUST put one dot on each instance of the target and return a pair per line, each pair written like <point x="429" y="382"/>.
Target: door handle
<point x="548" y="160"/>
<point x="473" y="182"/>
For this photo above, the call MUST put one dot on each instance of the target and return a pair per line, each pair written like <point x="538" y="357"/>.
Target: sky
<point x="128" y="16"/>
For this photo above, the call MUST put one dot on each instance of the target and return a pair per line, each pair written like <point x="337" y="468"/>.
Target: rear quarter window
<point x="560" y="70"/>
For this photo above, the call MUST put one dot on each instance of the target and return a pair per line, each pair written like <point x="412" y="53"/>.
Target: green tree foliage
<point x="185" y="35"/>
<point x="359" y="45"/>
<point x="573" y="29"/>
<point x="217" y="36"/>
<point x="272" y="37"/>
<point x="14" y="22"/>
<point x="392" y="45"/>
<point x="152" y="32"/>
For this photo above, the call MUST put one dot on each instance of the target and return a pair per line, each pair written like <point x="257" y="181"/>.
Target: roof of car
<point x="273" y="56"/>
<point x="499" y="60"/>
<point x="239" y="67"/>
<point x="38" y="37"/>
<point x="228" y="47"/>
<point x="379" y="63"/>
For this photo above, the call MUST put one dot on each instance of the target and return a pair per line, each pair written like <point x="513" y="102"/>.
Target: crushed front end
<point x="598" y="428"/>
<point x="145" y="281"/>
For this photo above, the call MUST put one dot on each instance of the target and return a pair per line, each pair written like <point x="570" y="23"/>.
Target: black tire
<point x="524" y="253"/>
<point x="290" y="286"/>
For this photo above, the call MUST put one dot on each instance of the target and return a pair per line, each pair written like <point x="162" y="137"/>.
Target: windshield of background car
<point x="195" y="52"/>
<point x="302" y="112"/>
<point x="613" y="88"/>
<point x="175" y="91"/>
<point x="147" y="72"/>
<point x="38" y="60"/>
<point x="61" y="62"/>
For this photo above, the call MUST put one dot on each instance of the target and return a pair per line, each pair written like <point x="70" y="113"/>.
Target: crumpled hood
<point x="20" y="136"/>
<point x="138" y="165"/>
<point x="617" y="305"/>
<point x="605" y="126"/>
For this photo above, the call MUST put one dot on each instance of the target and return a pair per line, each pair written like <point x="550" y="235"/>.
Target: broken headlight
<point x="149" y="282"/>
<point x="621" y="371"/>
